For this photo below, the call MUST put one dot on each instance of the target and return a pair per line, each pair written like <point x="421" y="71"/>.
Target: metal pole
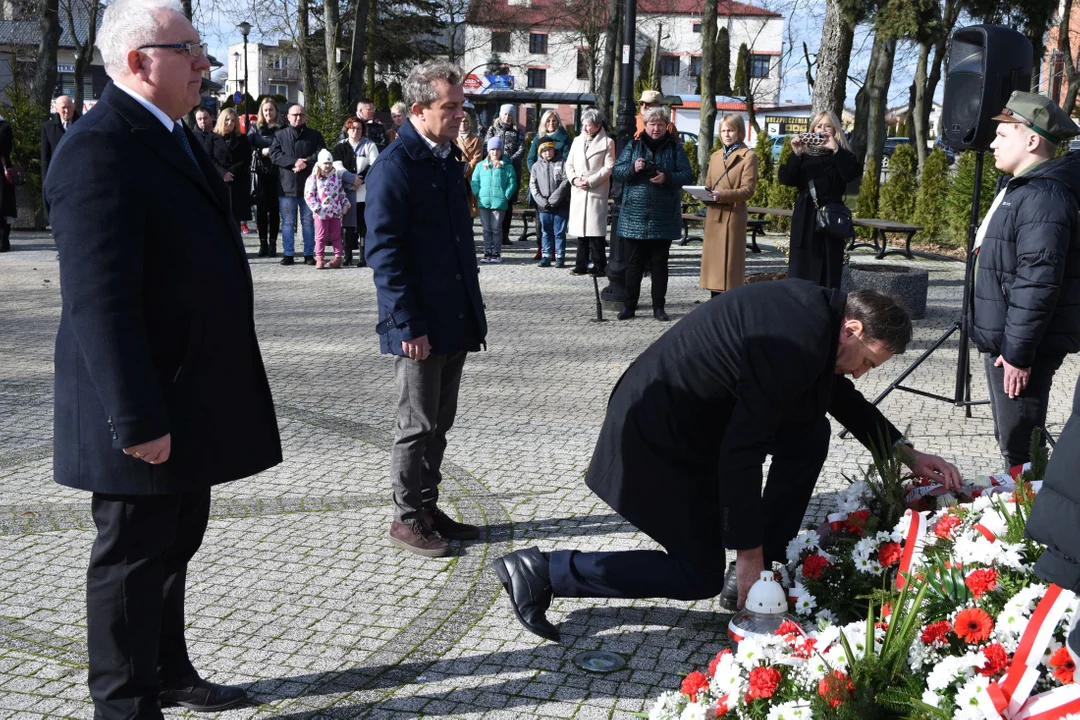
<point x="246" y="108"/>
<point x="615" y="292"/>
<point x="963" y="365"/>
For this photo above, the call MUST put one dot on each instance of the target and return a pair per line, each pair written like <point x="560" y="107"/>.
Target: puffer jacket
<point x="652" y="211"/>
<point x="1027" y="285"/>
<point x="513" y="141"/>
<point x="549" y="187"/>
<point x="494" y="186"/>
<point x="1055" y="519"/>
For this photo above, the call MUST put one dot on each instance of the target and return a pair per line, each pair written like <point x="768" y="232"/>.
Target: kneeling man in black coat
<point x="750" y="373"/>
<point x="160" y="387"/>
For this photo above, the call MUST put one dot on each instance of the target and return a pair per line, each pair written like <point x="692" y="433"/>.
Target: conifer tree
<point x="930" y="202"/>
<point x="898" y="195"/>
<point x="766" y="172"/>
<point x="958" y="200"/>
<point x="782" y="196"/>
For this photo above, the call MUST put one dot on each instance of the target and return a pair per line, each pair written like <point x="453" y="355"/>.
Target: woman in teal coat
<point x="494" y="183"/>
<point x="653" y="168"/>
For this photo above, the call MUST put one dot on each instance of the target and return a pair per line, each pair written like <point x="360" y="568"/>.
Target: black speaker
<point x="986" y="63"/>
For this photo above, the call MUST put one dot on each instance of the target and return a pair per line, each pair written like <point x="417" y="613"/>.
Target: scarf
<point x="728" y="149"/>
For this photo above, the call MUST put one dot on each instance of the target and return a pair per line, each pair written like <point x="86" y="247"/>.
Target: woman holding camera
<point x="826" y="162"/>
<point x="653" y="168"/>
<point x="732" y="177"/>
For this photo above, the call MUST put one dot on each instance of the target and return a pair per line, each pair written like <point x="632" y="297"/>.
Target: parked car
<point x="1074" y="145"/>
<point x="890" y="146"/>
<point x="950" y="154"/>
<point x="777" y="145"/>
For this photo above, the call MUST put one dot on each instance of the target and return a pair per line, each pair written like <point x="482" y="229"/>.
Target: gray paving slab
<point x="297" y="594"/>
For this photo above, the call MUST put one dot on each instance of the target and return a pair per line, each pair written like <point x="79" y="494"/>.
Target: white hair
<point x="127" y="25"/>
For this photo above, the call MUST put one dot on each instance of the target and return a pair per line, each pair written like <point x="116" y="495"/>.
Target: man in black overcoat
<point x="52" y="132"/>
<point x="160" y="387"/>
<point x="751" y="373"/>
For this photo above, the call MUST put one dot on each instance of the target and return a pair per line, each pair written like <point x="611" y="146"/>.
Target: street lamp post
<point x="236" y="71"/>
<point x="245" y="28"/>
<point x="625" y="125"/>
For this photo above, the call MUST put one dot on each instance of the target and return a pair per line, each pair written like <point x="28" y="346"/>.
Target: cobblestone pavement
<point x="297" y="594"/>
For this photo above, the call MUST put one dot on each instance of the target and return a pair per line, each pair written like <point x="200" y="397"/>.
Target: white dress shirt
<point x="154" y="109"/>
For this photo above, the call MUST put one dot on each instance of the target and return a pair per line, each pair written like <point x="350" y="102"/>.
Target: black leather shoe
<point x="201" y="695"/>
<point x="309" y="259"/>
<point x="449" y="528"/>
<point x="287" y="260"/>
<point x="626" y="313"/>
<point x="659" y="314"/>
<point x="525" y="576"/>
<point x="729" y="596"/>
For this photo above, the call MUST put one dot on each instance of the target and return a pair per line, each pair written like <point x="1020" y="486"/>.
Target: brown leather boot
<point x="449" y="528"/>
<point x="417" y="537"/>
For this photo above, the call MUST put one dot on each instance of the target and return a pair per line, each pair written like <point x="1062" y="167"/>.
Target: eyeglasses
<point x="296" y="114"/>
<point x="195" y="50"/>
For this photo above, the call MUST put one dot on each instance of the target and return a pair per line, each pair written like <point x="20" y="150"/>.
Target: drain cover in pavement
<point x="600" y="661"/>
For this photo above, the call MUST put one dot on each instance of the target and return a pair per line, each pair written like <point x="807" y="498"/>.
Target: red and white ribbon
<point x="1007" y="697"/>
<point x="913" y="541"/>
<point x="836" y="521"/>
<point x="722" y="706"/>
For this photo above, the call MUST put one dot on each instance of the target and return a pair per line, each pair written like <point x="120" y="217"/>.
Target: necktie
<point x="181" y="136"/>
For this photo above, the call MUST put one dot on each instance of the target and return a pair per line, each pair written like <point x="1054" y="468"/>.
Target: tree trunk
<point x="878" y="79"/>
<point x="187" y="8"/>
<point x="657" y="78"/>
<point x="331" y="37"/>
<point x="833" y="57"/>
<point x="920" y="112"/>
<point x="611" y="58"/>
<point x="707" y="112"/>
<point x="373" y="15"/>
<point x="359" y="45"/>
<point x="45" y="72"/>
<point x="307" y="67"/>
<point x="84" y="49"/>
<point x="745" y="88"/>
<point x="1072" y="77"/>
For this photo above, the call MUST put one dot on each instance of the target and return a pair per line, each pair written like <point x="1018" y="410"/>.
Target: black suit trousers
<point x="797" y="457"/>
<point x="135" y="598"/>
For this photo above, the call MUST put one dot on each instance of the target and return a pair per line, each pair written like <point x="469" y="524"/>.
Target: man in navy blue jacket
<point x="420" y="247"/>
<point x="160" y="387"/>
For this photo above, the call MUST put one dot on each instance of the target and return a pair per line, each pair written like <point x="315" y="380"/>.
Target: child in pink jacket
<point x="326" y="198"/>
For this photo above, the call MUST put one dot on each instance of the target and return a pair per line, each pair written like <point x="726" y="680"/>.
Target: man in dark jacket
<point x="212" y="143"/>
<point x="1027" y="279"/>
<point x="160" y="387"/>
<point x="295" y="151"/>
<point x="431" y="315"/>
<point x="750" y="373"/>
<point x="53" y="130"/>
<point x="375" y="131"/>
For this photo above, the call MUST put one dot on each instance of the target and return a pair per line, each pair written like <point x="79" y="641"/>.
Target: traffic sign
<point x="238" y="97"/>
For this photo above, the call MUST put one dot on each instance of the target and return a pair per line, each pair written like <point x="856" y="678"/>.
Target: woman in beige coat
<point x="472" y="152"/>
<point x="732" y="177"/>
<point x="588" y="167"/>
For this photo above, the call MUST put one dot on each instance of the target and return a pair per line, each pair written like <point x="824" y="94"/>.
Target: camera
<point x="812" y="139"/>
<point x="650" y="170"/>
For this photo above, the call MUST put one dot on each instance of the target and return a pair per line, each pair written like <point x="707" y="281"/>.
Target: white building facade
<point x="543" y="46"/>
<point x="271" y="70"/>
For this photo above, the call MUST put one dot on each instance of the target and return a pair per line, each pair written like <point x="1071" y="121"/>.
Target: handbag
<point x="834" y="219"/>
<point x="15" y="175"/>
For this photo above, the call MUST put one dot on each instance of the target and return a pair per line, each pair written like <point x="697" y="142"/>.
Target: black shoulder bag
<point x="833" y="218"/>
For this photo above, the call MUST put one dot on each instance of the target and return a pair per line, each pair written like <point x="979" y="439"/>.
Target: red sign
<point x="473" y="82"/>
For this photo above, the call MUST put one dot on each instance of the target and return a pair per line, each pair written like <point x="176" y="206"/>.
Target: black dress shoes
<point x="287" y="260"/>
<point x="660" y="315"/>
<point x="201" y="695"/>
<point x="525" y="576"/>
<point x="449" y="528"/>
<point x="626" y="313"/>
<point x="729" y="596"/>
<point x="309" y="259"/>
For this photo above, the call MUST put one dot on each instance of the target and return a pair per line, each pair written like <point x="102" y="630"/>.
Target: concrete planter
<point x="907" y="284"/>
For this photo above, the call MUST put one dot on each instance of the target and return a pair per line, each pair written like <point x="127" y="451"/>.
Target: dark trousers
<point x="1015" y="418"/>
<point x="427" y="404"/>
<point x="267" y="213"/>
<point x="832" y="266"/>
<point x="135" y="598"/>
<point x="593" y="246"/>
<point x="652" y="254"/>
<point x="798" y="454"/>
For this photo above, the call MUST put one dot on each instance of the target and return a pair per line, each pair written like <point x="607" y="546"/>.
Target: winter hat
<point x="494" y="143"/>
<point x="507" y="109"/>
<point x="544" y="143"/>
<point x="325" y="156"/>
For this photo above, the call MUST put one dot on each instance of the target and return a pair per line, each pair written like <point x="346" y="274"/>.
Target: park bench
<point x="755" y="225"/>
<point x="879" y="239"/>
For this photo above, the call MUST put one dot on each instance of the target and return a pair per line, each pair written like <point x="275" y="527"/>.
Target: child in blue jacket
<point x="493" y="183"/>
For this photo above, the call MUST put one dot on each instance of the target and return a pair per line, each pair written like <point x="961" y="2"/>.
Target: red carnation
<point x="788" y="628"/>
<point x="1063" y="665"/>
<point x="946" y="526"/>
<point x="996" y="660"/>
<point x="973" y="625"/>
<point x="935" y="632"/>
<point x="716" y="661"/>
<point x="763" y="683"/>
<point x="856" y="522"/>
<point x="889" y="554"/>
<point x="981" y="581"/>
<point x="805" y="649"/>
<point x="813" y="565"/>
<point x="835" y="688"/>
<point x="694" y="683"/>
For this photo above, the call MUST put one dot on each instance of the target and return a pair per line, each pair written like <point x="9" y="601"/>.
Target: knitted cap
<point x="494" y="143"/>
<point x="325" y="156"/>
<point x="507" y="109"/>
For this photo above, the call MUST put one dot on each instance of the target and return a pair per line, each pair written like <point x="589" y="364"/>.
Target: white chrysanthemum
<point x="795" y="710"/>
<point x="1052" y="647"/>
<point x="750" y="652"/>
<point x="668" y="706"/>
<point x="921" y="655"/>
<point x="950" y="669"/>
<point x="806" y="540"/>
<point x="805" y="603"/>
<point x="930" y="697"/>
<point x="853" y="498"/>
<point x="967" y="699"/>
<point x="728" y="678"/>
<point x="826" y="618"/>
<point x="695" y="711"/>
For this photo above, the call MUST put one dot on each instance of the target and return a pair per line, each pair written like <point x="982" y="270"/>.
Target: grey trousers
<point x="1015" y="418"/>
<point x="427" y="403"/>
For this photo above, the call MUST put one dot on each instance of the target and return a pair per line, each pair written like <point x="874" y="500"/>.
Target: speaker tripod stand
<point x="962" y="390"/>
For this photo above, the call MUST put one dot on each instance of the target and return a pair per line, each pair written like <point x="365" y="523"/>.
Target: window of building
<point x="759" y="66"/>
<point x="695" y="66"/>
<point x="669" y="65"/>
<point x="280" y="62"/>
<point x="282" y="90"/>
<point x="500" y="42"/>
<point x="537" y="78"/>
<point x="582" y="64"/>
<point x="697" y="27"/>
<point x="538" y="43"/>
